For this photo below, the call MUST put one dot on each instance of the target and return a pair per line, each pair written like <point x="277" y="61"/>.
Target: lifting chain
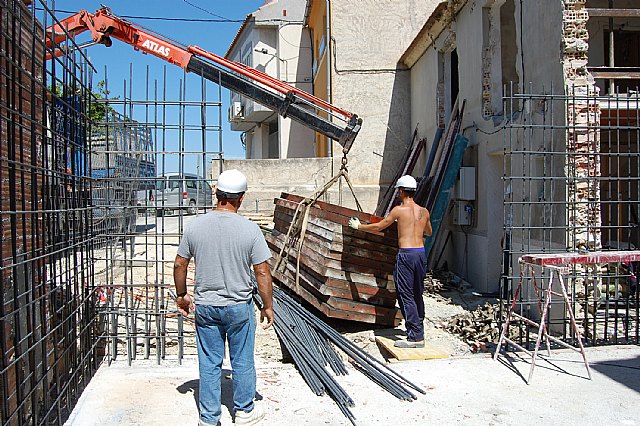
<point x="345" y="160"/>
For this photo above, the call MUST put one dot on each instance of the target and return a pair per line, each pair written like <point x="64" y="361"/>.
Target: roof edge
<point x="238" y="34"/>
<point x="431" y="30"/>
<point x="307" y="11"/>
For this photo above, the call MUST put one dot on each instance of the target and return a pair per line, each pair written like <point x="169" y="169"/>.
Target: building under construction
<point x="96" y="189"/>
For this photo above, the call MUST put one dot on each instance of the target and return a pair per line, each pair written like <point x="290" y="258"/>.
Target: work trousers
<point x="215" y="325"/>
<point x="409" y="275"/>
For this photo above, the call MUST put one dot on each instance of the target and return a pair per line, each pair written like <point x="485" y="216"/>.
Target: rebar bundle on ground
<point x="309" y="341"/>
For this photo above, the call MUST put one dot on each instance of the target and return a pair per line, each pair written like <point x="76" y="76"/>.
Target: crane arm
<point x="262" y="88"/>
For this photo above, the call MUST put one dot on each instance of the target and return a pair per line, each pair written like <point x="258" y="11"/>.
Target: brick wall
<point x="583" y="190"/>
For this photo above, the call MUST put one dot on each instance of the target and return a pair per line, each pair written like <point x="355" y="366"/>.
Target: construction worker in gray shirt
<point x="225" y="247"/>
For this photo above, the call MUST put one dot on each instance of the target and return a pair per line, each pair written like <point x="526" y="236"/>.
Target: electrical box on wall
<point x="462" y="212"/>
<point x="466" y="184"/>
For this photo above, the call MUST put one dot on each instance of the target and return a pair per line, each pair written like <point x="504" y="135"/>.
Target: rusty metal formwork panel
<point x="344" y="273"/>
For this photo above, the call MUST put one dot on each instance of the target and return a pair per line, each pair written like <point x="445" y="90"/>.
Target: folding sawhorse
<point x="557" y="263"/>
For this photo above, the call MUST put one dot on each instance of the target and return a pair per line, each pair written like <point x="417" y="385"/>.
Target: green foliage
<point x="98" y="111"/>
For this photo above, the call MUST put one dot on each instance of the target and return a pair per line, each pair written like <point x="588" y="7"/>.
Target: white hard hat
<point x="232" y="182"/>
<point x="407" y="182"/>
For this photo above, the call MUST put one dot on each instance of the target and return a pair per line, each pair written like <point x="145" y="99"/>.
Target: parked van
<point x="187" y="191"/>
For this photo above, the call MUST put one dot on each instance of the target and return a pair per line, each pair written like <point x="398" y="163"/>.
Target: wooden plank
<point x="354" y="255"/>
<point x="450" y="174"/>
<point x="342" y="279"/>
<point x="615" y="73"/>
<point x="343" y="211"/>
<point x="553" y="259"/>
<point x="336" y="241"/>
<point x="338" y="224"/>
<point x="429" y="351"/>
<point x="387" y="198"/>
<point x="335" y="273"/>
<point x="408" y="170"/>
<point x="353" y="245"/>
<point x="451" y="132"/>
<point x="282" y="222"/>
<point x="335" y="301"/>
<point x="613" y="13"/>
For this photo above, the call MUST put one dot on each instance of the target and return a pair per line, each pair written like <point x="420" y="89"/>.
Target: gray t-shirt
<point x="225" y="246"/>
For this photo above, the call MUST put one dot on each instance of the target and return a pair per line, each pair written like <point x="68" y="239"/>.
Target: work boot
<point x="250" y="418"/>
<point x="408" y="344"/>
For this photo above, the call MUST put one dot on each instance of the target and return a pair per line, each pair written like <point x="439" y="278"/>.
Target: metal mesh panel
<point x="47" y="309"/>
<point x="571" y="184"/>
<point x="151" y="164"/>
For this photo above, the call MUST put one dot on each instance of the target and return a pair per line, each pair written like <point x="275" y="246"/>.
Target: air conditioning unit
<point x="236" y="111"/>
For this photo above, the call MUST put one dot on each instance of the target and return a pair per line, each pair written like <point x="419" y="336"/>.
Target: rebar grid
<point x="47" y="309"/>
<point x="150" y="162"/>
<point x="571" y="173"/>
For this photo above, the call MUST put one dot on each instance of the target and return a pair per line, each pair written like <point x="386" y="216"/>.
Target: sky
<point x="120" y="60"/>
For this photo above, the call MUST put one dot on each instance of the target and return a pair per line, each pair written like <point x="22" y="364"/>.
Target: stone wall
<point x="301" y="176"/>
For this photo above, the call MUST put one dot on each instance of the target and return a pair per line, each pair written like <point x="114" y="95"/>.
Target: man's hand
<point x="354" y="223"/>
<point x="266" y="314"/>
<point x="185" y="303"/>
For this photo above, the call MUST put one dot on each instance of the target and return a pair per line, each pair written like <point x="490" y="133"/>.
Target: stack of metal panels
<point x="344" y="273"/>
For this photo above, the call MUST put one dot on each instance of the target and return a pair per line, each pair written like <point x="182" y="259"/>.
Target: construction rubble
<point x="477" y="328"/>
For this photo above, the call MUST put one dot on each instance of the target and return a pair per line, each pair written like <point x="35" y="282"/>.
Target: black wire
<point x="204" y="10"/>
<point x="162" y="18"/>
<point x="524" y="81"/>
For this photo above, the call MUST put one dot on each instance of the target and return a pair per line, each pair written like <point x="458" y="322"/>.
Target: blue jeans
<point x="214" y="325"/>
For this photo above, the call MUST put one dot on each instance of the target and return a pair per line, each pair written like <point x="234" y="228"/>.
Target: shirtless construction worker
<point x="411" y="261"/>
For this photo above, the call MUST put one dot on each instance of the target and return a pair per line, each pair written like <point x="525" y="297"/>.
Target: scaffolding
<point x="571" y="173"/>
<point x="96" y="191"/>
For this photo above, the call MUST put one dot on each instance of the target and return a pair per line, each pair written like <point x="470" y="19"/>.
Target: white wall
<point x="288" y="58"/>
<point x="301" y="176"/>
<point x="370" y="36"/>
<point x="477" y="255"/>
<point x="294" y="48"/>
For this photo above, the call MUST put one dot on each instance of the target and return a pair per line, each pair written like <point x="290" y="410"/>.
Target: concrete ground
<point x="469" y="390"/>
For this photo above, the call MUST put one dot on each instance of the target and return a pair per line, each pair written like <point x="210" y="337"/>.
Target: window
<point x="204" y="186"/>
<point x="509" y="46"/>
<point x="191" y="183"/>
<point x="174" y="182"/>
<point x="247" y="54"/>
<point x="323" y="46"/>
<point x="626" y="53"/>
<point x="499" y="55"/>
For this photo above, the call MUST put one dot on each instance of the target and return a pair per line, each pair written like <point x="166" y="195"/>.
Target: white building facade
<point x="274" y="41"/>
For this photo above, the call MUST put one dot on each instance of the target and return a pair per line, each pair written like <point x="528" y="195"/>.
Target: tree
<point x="98" y="110"/>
